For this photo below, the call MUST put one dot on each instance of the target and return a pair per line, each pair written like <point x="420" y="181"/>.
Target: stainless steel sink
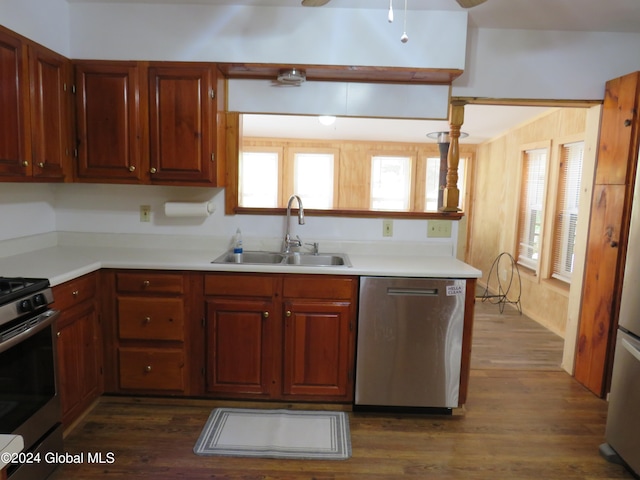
<point x="317" y="259"/>
<point x="273" y="258"/>
<point x="250" y="257"/>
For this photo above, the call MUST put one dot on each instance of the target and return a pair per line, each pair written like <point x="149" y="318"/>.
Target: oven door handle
<point x="46" y="319"/>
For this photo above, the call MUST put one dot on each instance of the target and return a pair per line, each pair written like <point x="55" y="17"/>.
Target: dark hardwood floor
<point x="525" y="419"/>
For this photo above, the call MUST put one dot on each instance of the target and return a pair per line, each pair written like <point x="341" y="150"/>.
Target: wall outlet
<point x="439" y="228"/>
<point x="387" y="228"/>
<point x="145" y="213"/>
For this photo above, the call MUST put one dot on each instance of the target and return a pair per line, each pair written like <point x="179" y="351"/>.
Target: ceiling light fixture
<point x="327" y="120"/>
<point x="443" y="137"/>
<point x="292" y="76"/>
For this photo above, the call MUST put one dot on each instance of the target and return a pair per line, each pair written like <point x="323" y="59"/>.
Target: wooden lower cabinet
<point x="149" y="337"/>
<point x="280" y="337"/>
<point x="78" y="346"/>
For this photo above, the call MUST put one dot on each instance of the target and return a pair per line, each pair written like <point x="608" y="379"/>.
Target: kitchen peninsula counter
<point x="63" y="263"/>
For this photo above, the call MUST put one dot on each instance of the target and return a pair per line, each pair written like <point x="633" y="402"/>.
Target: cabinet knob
<point x="153" y="170"/>
<point x="265" y="314"/>
<point x="25" y="164"/>
<point x="147" y="319"/>
<point x="132" y="168"/>
<point x="41" y="164"/>
<point x="147" y="368"/>
<point x="146" y="283"/>
<point x="288" y="313"/>
<point x="75" y="293"/>
<point x="58" y="334"/>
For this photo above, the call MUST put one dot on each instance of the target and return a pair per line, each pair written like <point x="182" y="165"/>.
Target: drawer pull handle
<point x="288" y="314"/>
<point x="41" y="164"/>
<point x="75" y="293"/>
<point x="146" y="283"/>
<point x="153" y="170"/>
<point x="147" y="369"/>
<point x="147" y="319"/>
<point x="265" y="314"/>
<point x="132" y="168"/>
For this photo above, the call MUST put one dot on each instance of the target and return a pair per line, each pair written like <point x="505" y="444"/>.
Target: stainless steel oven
<point x="29" y="401"/>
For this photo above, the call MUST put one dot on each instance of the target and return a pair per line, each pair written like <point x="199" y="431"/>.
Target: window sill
<point x="352" y="213"/>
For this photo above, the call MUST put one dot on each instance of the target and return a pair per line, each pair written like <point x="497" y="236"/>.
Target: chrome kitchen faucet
<point x="288" y="243"/>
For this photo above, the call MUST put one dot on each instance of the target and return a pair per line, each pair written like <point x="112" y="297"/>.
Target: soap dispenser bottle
<point x="237" y="246"/>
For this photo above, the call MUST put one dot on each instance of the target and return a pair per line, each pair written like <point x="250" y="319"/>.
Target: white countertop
<point x="63" y="263"/>
<point x="9" y="444"/>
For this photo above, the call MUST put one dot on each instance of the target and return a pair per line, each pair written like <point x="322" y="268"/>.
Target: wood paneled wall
<point x="354" y="164"/>
<point x="493" y="227"/>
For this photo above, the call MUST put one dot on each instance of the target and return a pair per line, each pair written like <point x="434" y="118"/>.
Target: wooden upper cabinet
<point x="109" y="121"/>
<point x="182" y="123"/>
<point x="52" y="141"/>
<point x="15" y="152"/>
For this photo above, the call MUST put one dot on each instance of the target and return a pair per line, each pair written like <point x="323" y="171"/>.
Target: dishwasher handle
<point x="413" y="292"/>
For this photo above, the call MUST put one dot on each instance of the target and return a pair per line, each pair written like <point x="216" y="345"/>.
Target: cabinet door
<point x="50" y="113"/>
<point x="69" y="360"/>
<point x="318" y="349"/>
<point x="110" y="132"/>
<point x="78" y="360"/>
<point x="182" y="119"/>
<point x="14" y="114"/>
<point x="241" y="346"/>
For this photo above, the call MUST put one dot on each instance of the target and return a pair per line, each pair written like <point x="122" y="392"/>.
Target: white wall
<point x="45" y="21"/>
<point x="26" y="210"/>
<point x="254" y="34"/>
<point x="115" y="209"/>
<point x="545" y="64"/>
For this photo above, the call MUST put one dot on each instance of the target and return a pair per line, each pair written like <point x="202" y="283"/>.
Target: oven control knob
<point x="39" y="300"/>
<point x="25" y="306"/>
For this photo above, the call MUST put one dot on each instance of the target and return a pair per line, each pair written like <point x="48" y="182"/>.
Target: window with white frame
<point x="390" y="183"/>
<point x="432" y="183"/>
<point x="313" y="175"/>
<point x="531" y="214"/>
<point x="259" y="173"/>
<point x="568" y="197"/>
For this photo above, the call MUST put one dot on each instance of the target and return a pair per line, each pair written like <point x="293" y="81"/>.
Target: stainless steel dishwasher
<point x="409" y="342"/>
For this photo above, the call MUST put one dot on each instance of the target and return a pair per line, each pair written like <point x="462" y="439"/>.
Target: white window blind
<point x="567" y="210"/>
<point x="390" y="183"/>
<point x="531" y="213"/>
<point x="258" y="186"/>
<point x="313" y="175"/>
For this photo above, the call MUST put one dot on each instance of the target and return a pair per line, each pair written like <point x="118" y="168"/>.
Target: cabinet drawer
<point x="74" y="292"/>
<point x="149" y="369"/>
<point x="151" y="318"/>
<point x="243" y="285"/>
<point x="318" y="286"/>
<point x="149" y="282"/>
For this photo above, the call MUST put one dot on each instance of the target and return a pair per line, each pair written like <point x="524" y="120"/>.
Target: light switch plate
<point x="145" y="213"/>
<point x="439" y="228"/>
<point x="387" y="228"/>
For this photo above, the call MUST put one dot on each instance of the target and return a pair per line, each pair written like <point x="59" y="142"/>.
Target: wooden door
<point x="317" y="351"/>
<point x="15" y="152"/>
<point x="182" y="124"/>
<point x="608" y="231"/>
<point x="50" y="113"/>
<point x="241" y="347"/>
<point x="109" y="122"/>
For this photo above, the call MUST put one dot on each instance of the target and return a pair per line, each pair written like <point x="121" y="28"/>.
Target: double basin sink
<point x="295" y="258"/>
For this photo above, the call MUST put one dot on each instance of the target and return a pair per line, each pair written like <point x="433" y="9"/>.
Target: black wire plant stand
<point x="503" y="288"/>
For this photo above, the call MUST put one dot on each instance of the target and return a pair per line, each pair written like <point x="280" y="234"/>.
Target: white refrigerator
<point x="623" y="419"/>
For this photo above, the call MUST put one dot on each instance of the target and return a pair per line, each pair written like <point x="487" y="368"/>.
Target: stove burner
<point x="10" y="285"/>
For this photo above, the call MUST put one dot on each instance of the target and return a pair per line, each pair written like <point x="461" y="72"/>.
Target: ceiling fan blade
<point x="470" y="3"/>
<point x="314" y="3"/>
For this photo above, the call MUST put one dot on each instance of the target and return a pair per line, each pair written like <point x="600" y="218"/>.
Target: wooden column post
<point x="451" y="200"/>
